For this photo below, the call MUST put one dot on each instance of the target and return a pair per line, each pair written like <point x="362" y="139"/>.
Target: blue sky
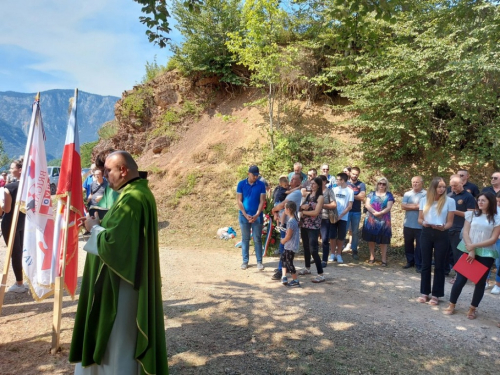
<point x="97" y="46"/>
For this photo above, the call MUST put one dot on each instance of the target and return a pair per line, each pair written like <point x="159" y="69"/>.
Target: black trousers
<point x="437" y="242"/>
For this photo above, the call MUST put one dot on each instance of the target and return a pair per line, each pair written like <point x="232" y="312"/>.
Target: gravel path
<point x="222" y="320"/>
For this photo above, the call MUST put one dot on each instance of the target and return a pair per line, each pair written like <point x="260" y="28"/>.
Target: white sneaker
<point x="495" y="290"/>
<point x="16" y="288"/>
<point x="260" y="266"/>
<point x="339" y="259"/>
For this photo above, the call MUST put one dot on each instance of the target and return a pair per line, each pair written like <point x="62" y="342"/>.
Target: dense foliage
<point x="423" y="76"/>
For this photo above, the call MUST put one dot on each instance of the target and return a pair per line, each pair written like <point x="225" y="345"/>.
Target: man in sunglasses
<point x="468" y="186"/>
<point x="495" y="184"/>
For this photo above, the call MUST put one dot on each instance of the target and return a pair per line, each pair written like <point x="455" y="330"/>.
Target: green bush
<point x="135" y="103"/>
<point x="108" y="130"/>
<point x="153" y="70"/>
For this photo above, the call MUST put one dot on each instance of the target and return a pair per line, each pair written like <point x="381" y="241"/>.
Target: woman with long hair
<point x="436" y="217"/>
<point x="481" y="231"/>
<point x="8" y="207"/>
<point x="311" y="212"/>
<point x="377" y="225"/>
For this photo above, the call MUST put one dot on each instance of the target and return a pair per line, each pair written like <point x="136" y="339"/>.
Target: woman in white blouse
<point x="436" y="217"/>
<point x="480" y="233"/>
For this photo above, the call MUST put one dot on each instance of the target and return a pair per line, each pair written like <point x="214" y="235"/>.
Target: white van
<point x="54" y="178"/>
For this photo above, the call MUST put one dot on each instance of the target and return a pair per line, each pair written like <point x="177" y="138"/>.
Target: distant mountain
<point x="15" y="115"/>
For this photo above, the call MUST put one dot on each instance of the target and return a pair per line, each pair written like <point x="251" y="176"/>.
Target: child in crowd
<point x="291" y="243"/>
<point x="280" y="194"/>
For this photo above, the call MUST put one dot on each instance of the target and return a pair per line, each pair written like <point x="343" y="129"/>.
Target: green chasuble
<point x="128" y="249"/>
<point x="109" y="197"/>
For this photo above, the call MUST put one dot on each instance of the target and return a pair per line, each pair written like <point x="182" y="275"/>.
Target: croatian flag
<point x="36" y="203"/>
<point x="70" y="181"/>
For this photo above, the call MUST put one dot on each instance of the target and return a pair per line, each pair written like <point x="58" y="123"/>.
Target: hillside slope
<point x="194" y="165"/>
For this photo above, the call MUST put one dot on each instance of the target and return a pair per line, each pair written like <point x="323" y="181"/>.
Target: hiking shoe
<point x="277" y="275"/>
<point x="355" y="256"/>
<point x="293" y="283"/>
<point x="495" y="290"/>
<point x="324" y="264"/>
<point x="333" y="258"/>
<point x="16" y="288"/>
<point x="318" y="279"/>
<point x="304" y="271"/>
<point x="339" y="259"/>
<point x="244" y="266"/>
<point x="284" y="280"/>
<point x="260" y="266"/>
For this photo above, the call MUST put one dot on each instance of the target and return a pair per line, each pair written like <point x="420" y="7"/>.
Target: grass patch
<point x="108" y="130"/>
<point x="186" y="188"/>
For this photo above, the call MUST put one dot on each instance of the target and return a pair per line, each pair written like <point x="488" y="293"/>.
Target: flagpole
<point x="59" y="285"/>
<point x="59" y="282"/>
<point x="15" y="215"/>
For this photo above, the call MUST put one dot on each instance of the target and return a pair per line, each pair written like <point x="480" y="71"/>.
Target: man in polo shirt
<point x="359" y="190"/>
<point x="251" y="196"/>
<point x="411" y="228"/>
<point x="468" y="186"/>
<point x="464" y="202"/>
<point x="495" y="184"/>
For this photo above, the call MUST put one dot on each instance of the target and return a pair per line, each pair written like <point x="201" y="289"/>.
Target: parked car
<point x="54" y="173"/>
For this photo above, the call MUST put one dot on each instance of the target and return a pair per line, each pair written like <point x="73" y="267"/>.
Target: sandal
<point x="423" y="298"/>
<point x="471" y="314"/>
<point x="450" y="310"/>
<point x="304" y="271"/>
<point x="384" y="264"/>
<point x="434" y="301"/>
<point x="371" y="261"/>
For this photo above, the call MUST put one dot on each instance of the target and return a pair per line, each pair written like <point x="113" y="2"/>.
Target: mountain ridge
<point x="15" y="115"/>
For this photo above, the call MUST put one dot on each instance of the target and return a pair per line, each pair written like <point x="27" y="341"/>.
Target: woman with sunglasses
<point x="377" y="225"/>
<point x="436" y="217"/>
<point x="481" y="231"/>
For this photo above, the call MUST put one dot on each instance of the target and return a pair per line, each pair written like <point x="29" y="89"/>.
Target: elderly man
<point x="250" y="197"/>
<point x="297" y="169"/>
<point x="411" y="228"/>
<point x="294" y="196"/>
<point x="119" y="325"/>
<point x="494" y="188"/>
<point x="464" y="201"/>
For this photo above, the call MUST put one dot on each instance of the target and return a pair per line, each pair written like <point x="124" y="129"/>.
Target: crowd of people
<point x="444" y="224"/>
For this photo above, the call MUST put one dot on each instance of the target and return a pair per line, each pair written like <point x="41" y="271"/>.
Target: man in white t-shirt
<point x="344" y="197"/>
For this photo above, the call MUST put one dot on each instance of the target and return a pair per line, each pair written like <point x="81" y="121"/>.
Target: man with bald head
<point x="119" y="325"/>
<point x="465" y="202"/>
<point x="411" y="228"/>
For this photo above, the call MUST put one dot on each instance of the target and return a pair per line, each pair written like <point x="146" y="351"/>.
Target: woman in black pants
<point x="481" y="231"/>
<point x="311" y="212"/>
<point x="436" y="217"/>
<point x="7" y="208"/>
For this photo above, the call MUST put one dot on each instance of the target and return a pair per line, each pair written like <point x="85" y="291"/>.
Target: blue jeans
<point x="353" y="224"/>
<point x="256" y="228"/>
<point x="497" y="264"/>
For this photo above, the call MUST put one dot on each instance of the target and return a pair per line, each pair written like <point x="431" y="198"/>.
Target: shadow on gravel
<point x="315" y="329"/>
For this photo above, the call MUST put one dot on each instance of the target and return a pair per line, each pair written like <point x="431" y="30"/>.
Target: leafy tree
<point x="4" y="158"/>
<point x="205" y="33"/>
<point x="86" y="153"/>
<point x="258" y="46"/>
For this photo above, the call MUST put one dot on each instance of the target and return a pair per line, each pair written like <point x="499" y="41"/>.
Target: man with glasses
<point x="325" y="170"/>
<point x="306" y="185"/>
<point x="495" y="184"/>
<point x="411" y="228"/>
<point x="297" y="169"/>
<point x="468" y="186"/>
<point x="359" y="190"/>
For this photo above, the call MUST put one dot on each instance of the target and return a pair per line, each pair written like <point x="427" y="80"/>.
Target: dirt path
<point x="222" y="320"/>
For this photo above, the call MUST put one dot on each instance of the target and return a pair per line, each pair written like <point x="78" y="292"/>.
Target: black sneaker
<point x="277" y="275"/>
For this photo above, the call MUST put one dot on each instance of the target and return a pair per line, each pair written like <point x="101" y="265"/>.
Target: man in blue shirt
<point x="251" y="196"/>
<point x="411" y="228"/>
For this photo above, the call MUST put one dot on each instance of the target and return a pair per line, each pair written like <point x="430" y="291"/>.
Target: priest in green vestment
<point x="119" y="327"/>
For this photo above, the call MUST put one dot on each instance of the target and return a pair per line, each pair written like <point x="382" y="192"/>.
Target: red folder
<point x="473" y="271"/>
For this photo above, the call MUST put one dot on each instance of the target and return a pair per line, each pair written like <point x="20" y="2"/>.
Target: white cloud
<point x="97" y="45"/>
